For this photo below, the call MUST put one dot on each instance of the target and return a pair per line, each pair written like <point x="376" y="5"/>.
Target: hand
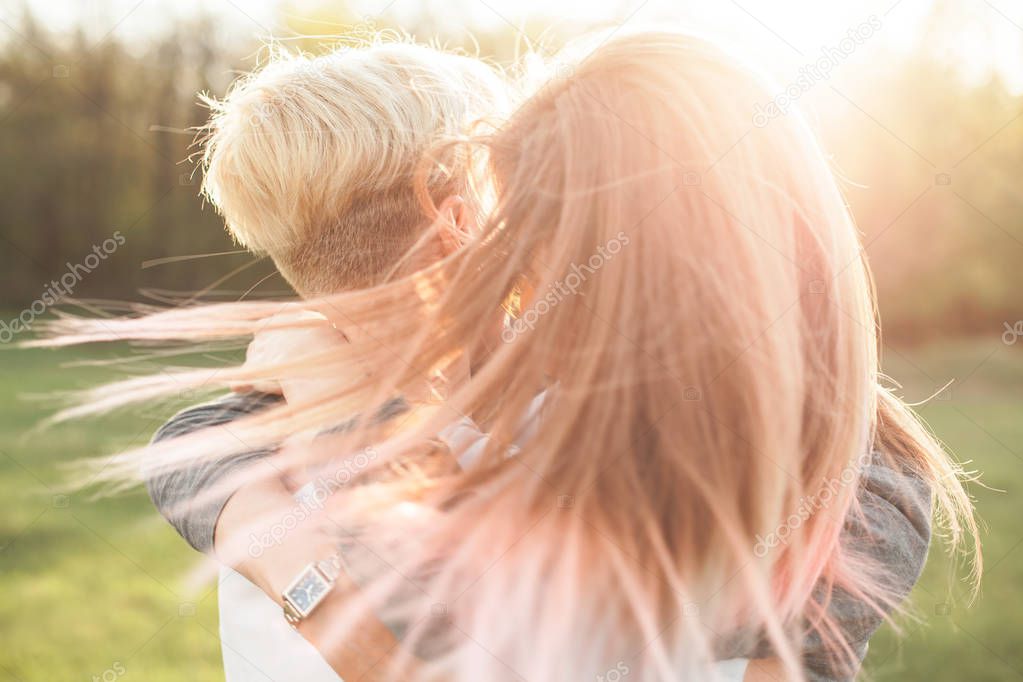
<point x="280" y="346"/>
<point x="366" y="652"/>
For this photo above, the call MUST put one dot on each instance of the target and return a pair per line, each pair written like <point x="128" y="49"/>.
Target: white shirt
<point x="258" y="644"/>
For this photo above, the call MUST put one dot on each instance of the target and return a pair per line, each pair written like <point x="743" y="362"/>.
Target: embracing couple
<point x="448" y="462"/>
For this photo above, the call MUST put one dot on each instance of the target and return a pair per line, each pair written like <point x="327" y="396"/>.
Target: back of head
<point x="312" y="160"/>
<point x="714" y="356"/>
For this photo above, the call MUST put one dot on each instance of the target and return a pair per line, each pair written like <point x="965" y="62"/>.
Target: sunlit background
<point x="917" y="102"/>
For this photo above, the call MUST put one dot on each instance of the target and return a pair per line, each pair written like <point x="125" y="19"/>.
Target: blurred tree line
<point x="932" y="163"/>
<point x="95" y="139"/>
<point x="96" y="134"/>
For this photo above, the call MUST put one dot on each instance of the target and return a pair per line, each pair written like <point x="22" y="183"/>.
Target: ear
<point x="455" y="219"/>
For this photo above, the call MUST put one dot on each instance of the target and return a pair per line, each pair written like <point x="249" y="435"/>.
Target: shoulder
<point x="221" y="411"/>
<point x="894" y="493"/>
<point x="890" y="526"/>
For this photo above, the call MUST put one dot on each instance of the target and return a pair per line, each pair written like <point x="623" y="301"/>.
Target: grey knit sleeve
<point x="895" y="530"/>
<point x="174" y="493"/>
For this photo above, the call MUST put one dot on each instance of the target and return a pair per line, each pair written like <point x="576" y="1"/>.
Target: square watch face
<point x="307" y="591"/>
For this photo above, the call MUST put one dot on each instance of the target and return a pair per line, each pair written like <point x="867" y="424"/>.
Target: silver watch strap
<point x="331" y="567"/>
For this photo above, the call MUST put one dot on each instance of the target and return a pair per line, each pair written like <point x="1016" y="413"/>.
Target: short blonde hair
<point x="312" y="160"/>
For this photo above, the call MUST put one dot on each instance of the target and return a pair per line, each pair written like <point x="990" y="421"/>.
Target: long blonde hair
<point x="690" y="290"/>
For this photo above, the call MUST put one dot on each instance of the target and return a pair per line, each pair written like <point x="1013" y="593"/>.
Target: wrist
<point x="311" y="586"/>
<point x="258" y="536"/>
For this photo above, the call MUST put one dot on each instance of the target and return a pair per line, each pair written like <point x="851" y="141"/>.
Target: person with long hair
<point x="687" y="296"/>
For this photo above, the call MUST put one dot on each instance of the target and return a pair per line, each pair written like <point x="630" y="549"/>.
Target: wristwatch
<point x="309" y="588"/>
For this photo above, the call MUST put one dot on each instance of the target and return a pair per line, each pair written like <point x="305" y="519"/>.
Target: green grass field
<point x="95" y="589"/>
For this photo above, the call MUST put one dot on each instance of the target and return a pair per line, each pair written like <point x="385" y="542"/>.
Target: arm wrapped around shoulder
<point x="892" y="529"/>
<point x="187" y="496"/>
